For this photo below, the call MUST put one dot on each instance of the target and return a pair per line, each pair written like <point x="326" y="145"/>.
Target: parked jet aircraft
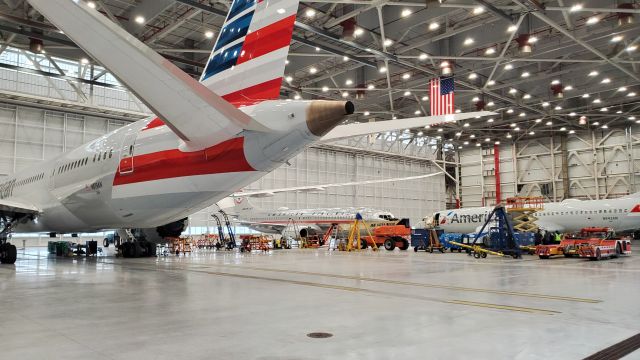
<point x="306" y="221"/>
<point x="207" y="140"/>
<point x="621" y="214"/>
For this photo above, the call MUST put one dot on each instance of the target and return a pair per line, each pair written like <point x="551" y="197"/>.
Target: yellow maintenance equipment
<point x="522" y="210"/>
<point x="357" y="242"/>
<point x="476" y="250"/>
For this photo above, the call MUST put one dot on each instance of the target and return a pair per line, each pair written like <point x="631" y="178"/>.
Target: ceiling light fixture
<point x="434" y="26"/>
<point x="592" y="20"/>
<point x="405" y="12"/>
<point x="310" y="13"/>
<point x="576" y="7"/>
<point x="478" y="10"/>
<point x="468" y="41"/>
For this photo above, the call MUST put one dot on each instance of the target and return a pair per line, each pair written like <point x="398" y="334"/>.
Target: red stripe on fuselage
<point x="225" y="157"/>
<point x="270" y="38"/>
<point x="153" y="124"/>
<point x="268" y="90"/>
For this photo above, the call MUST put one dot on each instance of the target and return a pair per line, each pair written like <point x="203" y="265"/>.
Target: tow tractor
<point x="570" y="243"/>
<point x="605" y="249"/>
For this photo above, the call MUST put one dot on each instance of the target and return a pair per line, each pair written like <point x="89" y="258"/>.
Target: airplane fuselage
<point x="622" y="214"/>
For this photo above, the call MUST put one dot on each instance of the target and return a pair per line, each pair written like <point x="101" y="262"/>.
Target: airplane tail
<point x="247" y="63"/>
<point x="242" y="205"/>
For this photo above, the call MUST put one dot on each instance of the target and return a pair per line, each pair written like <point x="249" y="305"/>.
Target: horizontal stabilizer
<point x="346" y="131"/>
<point x="196" y="114"/>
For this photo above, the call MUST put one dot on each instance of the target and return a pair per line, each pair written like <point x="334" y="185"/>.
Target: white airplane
<point x="208" y="139"/>
<point x="306" y="221"/>
<point x="571" y="215"/>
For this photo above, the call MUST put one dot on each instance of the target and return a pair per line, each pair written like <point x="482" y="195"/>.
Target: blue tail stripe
<point x="234" y="30"/>
<point x="239" y="6"/>
<point x="222" y="61"/>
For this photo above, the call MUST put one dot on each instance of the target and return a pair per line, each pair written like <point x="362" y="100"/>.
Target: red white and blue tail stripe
<point x="247" y="63"/>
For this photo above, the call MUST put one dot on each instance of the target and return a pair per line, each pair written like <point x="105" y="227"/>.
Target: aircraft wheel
<point x="8" y="254"/>
<point x="389" y="244"/>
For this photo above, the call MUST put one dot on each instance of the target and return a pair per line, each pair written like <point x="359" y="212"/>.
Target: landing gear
<point x="138" y="248"/>
<point x="8" y="253"/>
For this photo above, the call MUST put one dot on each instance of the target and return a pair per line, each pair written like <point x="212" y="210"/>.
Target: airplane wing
<point x="196" y="114"/>
<point x="345" y="131"/>
<point x="271" y="192"/>
<point x="14" y="207"/>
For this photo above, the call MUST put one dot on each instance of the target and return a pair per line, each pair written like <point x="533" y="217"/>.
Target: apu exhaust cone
<point x="323" y="115"/>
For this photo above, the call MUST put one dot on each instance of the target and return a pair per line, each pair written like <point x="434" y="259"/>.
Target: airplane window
<point x="94" y="157"/>
<point x="104" y="156"/>
<point x="110" y="153"/>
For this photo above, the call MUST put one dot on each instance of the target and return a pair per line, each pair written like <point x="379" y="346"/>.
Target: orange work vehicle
<point x="391" y="236"/>
<point x="605" y="249"/>
<point x="572" y="242"/>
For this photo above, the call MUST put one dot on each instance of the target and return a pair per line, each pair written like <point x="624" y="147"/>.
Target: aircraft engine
<point x="310" y="231"/>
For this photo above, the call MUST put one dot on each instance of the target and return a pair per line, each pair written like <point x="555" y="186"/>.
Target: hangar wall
<point x="590" y="164"/>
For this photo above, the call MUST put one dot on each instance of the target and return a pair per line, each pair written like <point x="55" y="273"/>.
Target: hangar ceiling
<point x="543" y="67"/>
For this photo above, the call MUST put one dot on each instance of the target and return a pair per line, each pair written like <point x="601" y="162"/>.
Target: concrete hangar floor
<point x="382" y="305"/>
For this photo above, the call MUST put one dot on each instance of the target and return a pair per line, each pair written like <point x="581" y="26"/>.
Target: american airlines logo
<point x="635" y="211"/>
<point x="238" y="200"/>
<point x="465" y="219"/>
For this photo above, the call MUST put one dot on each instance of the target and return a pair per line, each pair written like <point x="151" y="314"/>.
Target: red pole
<point x="496" y="162"/>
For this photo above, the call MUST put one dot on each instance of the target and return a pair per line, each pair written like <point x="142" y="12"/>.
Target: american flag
<point x="441" y="94"/>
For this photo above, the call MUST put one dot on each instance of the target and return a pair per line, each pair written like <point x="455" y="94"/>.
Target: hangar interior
<point x="561" y="78"/>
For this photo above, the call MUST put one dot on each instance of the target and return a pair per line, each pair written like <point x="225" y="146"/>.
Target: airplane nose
<point x="323" y="115"/>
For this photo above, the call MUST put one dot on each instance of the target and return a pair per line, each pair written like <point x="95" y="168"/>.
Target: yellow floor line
<point x="408" y="283"/>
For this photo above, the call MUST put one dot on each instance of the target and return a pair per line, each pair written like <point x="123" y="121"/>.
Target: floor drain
<point x="319" y="335"/>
